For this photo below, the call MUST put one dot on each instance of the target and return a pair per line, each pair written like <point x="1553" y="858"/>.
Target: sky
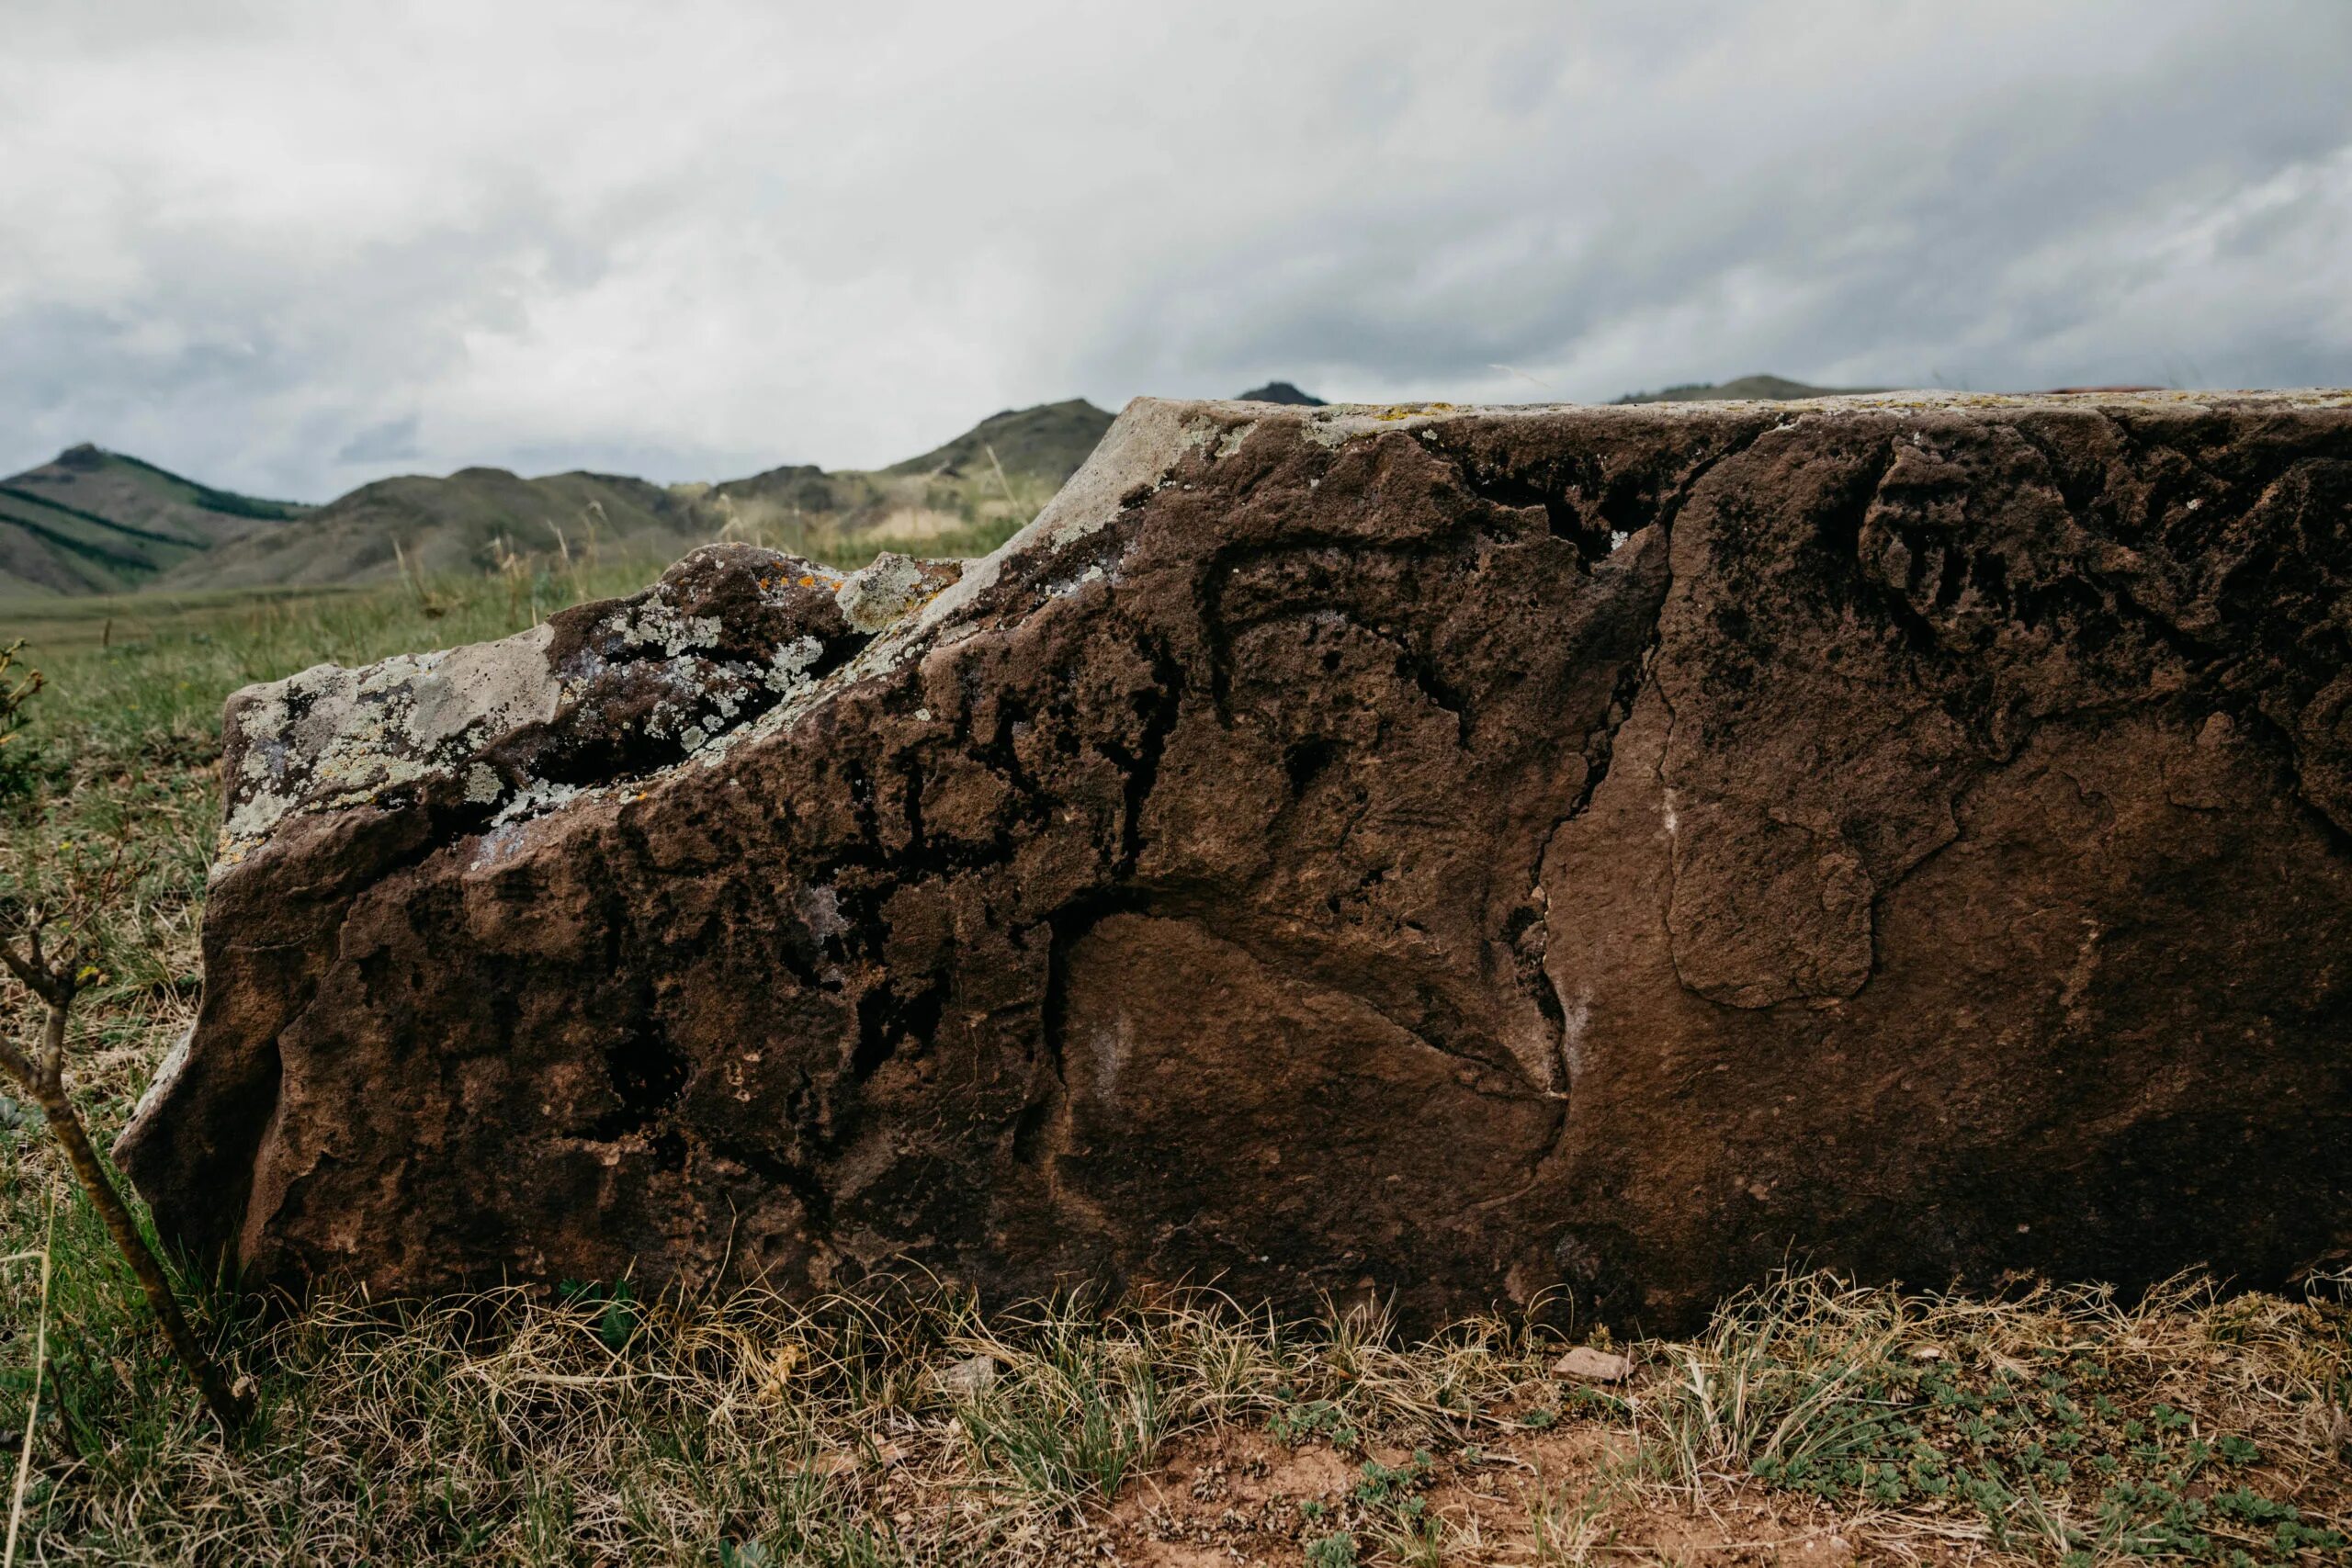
<point x="291" y="248"/>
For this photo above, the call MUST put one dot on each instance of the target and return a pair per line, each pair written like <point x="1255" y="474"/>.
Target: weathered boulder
<point x="1455" y="854"/>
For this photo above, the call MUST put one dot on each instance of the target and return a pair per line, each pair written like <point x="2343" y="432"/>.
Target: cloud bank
<point x="293" y="247"/>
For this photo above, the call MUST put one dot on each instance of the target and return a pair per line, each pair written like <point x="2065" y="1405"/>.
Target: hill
<point x="1763" y="389"/>
<point x="95" y="522"/>
<point x="1050" y="439"/>
<point x="1281" y="392"/>
<point x="963" y="497"/>
<point x="464" y="524"/>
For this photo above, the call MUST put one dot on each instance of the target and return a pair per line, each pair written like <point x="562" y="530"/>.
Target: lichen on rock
<point x="637" y="683"/>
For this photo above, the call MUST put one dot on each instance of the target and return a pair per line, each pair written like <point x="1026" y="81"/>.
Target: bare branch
<point x="228" y="1407"/>
<point x="52" y="1055"/>
<point x="51" y="973"/>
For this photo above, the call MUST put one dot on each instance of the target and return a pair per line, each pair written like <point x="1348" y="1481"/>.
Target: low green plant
<point x="1393" y="1500"/>
<point x="615" y="1307"/>
<point x="1335" y="1550"/>
<point x="1296" y="1421"/>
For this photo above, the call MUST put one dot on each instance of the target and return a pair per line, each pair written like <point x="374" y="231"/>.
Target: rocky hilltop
<point x="1452" y="854"/>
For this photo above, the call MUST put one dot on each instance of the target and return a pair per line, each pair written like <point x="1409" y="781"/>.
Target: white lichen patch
<point x="1070" y="585"/>
<point x="821" y="910"/>
<point x="330" y="737"/>
<point x="501" y="843"/>
<point x="541" y="796"/>
<point x="656" y="625"/>
<point x="883" y="593"/>
<point x="789" y="670"/>
<point x="1576" y="1018"/>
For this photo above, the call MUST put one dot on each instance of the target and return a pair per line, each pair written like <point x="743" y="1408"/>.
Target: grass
<point x="590" y="1424"/>
<point x="2056" y="1421"/>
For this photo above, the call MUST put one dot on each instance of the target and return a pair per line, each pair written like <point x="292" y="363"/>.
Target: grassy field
<point x="1814" y="1422"/>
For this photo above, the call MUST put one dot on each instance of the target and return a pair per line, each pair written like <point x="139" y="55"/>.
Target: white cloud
<point x="293" y="246"/>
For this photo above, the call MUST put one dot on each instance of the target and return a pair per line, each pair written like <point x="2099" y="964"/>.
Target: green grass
<point x="587" y="1425"/>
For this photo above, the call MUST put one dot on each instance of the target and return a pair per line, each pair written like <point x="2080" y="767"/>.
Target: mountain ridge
<point x="1758" y="387"/>
<point x="967" y="493"/>
<point x="91" y="520"/>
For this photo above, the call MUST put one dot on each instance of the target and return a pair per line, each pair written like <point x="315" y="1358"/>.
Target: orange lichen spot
<point x="808" y="582"/>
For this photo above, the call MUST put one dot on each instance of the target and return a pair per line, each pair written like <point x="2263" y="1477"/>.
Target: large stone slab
<point x="1452" y="854"/>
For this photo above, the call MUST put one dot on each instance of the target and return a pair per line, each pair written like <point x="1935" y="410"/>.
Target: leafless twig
<point x="44" y="948"/>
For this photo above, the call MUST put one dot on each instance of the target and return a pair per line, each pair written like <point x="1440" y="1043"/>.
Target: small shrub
<point x="16" y="755"/>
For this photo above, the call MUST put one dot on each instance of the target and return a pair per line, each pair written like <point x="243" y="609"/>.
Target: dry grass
<point x="2052" y="1423"/>
<point x="910" y="1427"/>
<point x="510" y="1427"/>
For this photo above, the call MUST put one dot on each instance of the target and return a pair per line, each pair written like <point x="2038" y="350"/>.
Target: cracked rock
<point x="1455" y="856"/>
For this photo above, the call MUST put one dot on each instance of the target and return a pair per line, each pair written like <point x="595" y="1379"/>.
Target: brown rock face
<point x="1453" y="853"/>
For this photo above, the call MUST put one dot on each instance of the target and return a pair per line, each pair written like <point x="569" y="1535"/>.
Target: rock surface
<point x="1458" y="854"/>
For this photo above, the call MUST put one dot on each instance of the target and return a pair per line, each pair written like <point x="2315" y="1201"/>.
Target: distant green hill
<point x="1050" y="439"/>
<point x="1763" y="389"/>
<point x="464" y="524"/>
<point x="963" y="498"/>
<point x="96" y="521"/>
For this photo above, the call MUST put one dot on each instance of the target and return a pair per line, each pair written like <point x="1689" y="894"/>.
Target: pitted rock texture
<point x="1449" y="854"/>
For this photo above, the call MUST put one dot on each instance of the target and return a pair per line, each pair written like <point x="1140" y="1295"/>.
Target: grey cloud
<point x="292" y="248"/>
<point x="1895" y="248"/>
<point x="394" y="441"/>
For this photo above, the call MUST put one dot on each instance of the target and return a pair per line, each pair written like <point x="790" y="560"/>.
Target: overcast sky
<point x="289" y="248"/>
